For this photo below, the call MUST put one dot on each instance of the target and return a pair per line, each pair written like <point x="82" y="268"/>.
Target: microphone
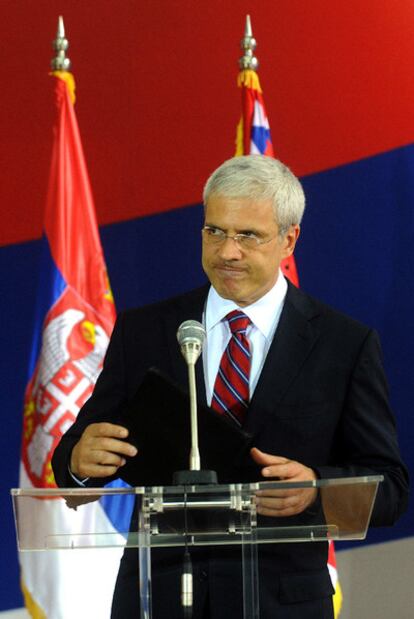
<point x="191" y="335"/>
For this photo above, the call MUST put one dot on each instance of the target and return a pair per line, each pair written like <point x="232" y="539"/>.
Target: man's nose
<point x="230" y="250"/>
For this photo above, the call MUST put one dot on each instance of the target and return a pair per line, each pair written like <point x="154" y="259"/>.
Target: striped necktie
<point x="231" y="389"/>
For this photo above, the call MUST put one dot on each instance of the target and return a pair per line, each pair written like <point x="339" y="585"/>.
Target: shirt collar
<point x="261" y="312"/>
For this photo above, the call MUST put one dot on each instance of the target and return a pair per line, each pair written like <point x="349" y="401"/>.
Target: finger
<point x="106" y="458"/>
<point x="285" y="470"/>
<point x="281" y="507"/>
<point x="278" y="513"/>
<point x="277" y="494"/>
<point x="297" y="499"/>
<point x="98" y="463"/>
<point x="291" y="471"/>
<point x="112" y="445"/>
<point x="261" y="457"/>
<point x="279" y="504"/>
<point x="106" y="429"/>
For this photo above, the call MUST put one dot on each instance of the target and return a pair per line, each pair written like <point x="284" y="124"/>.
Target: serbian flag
<point x="74" y="319"/>
<point x="253" y="138"/>
<point x="333" y="572"/>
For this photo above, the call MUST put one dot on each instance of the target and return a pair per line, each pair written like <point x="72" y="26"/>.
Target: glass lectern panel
<point x="189" y="515"/>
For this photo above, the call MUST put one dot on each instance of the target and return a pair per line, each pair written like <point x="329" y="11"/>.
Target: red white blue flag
<point x="74" y="320"/>
<point x="253" y="137"/>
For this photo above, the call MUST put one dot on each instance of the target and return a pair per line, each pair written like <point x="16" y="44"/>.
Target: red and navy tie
<point x="231" y="389"/>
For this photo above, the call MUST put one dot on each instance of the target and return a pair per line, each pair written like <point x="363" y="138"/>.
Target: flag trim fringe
<point x="249" y="79"/>
<point x="67" y="77"/>
<point x="32" y="607"/>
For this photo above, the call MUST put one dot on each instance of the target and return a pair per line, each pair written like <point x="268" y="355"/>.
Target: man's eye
<point x="214" y="231"/>
<point x="249" y="234"/>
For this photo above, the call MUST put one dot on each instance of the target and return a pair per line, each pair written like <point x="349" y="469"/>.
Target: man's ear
<point x="289" y="241"/>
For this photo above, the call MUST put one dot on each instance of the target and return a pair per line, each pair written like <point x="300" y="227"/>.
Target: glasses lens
<point x="217" y="236"/>
<point x="213" y="235"/>
<point x="247" y="242"/>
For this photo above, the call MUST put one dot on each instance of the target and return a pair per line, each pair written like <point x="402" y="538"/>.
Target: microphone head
<point x="190" y="336"/>
<point x="191" y="331"/>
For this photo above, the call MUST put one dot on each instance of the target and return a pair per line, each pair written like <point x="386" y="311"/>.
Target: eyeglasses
<point x="215" y="236"/>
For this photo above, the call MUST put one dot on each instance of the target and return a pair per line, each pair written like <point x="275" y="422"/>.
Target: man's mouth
<point x="229" y="270"/>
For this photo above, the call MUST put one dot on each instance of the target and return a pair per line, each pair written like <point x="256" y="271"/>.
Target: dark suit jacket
<point x="321" y="399"/>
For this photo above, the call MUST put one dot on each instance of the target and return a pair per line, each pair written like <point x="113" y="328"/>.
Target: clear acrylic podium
<point x="188" y="516"/>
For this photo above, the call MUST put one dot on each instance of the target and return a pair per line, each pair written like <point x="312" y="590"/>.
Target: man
<point x="316" y="400"/>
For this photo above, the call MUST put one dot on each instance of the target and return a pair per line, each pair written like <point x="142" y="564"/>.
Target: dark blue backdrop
<point x="355" y="253"/>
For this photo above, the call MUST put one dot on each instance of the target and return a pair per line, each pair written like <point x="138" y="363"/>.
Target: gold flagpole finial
<point x="248" y="45"/>
<point x="60" y="62"/>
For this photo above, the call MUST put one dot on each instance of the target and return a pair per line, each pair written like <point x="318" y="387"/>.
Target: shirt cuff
<point x="79" y="482"/>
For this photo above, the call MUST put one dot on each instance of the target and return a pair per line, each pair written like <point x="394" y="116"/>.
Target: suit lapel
<point x="294" y="339"/>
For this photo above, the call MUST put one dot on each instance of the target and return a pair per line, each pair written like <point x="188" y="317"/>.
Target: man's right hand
<point x="100" y="451"/>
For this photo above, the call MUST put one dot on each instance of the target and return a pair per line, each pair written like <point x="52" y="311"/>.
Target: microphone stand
<point x="191" y="349"/>
<point x="190" y="336"/>
<point x="194" y="452"/>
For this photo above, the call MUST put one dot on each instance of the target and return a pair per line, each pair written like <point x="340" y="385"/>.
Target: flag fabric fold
<point x="73" y="324"/>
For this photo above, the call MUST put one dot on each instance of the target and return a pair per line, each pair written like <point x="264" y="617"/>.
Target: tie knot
<point x="238" y="322"/>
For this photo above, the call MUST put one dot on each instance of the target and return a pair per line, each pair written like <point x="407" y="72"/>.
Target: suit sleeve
<point x="366" y="442"/>
<point x="105" y="404"/>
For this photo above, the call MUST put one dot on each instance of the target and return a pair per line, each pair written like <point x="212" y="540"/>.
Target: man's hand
<point x="100" y="451"/>
<point x="283" y="502"/>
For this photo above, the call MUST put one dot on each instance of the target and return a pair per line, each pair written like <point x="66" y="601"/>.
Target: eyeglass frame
<point x="237" y="238"/>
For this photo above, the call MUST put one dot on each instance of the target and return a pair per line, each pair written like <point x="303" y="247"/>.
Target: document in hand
<point x="158" y="419"/>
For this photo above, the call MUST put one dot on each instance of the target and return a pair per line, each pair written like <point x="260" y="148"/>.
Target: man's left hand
<point x="287" y="502"/>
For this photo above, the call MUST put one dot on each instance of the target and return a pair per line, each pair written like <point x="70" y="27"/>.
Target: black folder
<point x="158" y="420"/>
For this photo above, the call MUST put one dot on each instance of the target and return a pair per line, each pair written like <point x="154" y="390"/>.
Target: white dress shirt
<point x="264" y="315"/>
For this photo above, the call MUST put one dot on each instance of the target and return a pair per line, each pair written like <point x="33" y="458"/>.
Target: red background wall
<point x="157" y="97"/>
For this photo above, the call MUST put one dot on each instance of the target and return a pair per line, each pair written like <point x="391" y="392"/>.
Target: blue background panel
<point x="355" y="253"/>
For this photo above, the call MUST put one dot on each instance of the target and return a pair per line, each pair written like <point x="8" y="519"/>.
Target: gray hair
<point x="259" y="177"/>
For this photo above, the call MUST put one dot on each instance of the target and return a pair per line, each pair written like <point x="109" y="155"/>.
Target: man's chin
<point x="231" y="293"/>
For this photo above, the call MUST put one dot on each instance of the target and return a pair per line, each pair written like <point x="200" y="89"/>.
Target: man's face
<point x="241" y="275"/>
